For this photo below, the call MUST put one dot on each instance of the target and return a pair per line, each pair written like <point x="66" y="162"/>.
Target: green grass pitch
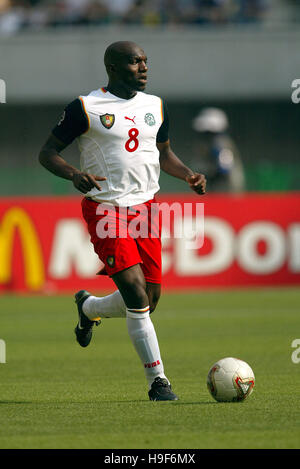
<point x="54" y="394"/>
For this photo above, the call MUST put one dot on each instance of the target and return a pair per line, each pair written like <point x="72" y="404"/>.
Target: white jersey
<point x="120" y="144"/>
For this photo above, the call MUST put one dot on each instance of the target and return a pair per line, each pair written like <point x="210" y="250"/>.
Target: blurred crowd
<point x="36" y="14"/>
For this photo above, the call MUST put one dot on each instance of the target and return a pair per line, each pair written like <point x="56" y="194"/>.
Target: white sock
<point x="110" y="306"/>
<point x="143" y="337"/>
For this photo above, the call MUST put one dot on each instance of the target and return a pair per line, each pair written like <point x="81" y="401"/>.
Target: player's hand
<point x="84" y="182"/>
<point x="197" y="183"/>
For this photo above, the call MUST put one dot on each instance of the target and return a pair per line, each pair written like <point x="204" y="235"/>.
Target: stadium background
<point x="240" y="56"/>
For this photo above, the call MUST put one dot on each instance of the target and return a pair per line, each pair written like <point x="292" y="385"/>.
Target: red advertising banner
<point x="251" y="239"/>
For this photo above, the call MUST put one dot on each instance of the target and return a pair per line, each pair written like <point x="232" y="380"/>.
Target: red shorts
<point x="126" y="236"/>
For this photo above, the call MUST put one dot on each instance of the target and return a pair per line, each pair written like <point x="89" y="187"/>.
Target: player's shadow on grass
<point x="17" y="402"/>
<point x="194" y="403"/>
<point x="142" y="401"/>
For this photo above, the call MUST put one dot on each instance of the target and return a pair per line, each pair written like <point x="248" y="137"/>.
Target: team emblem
<point x="149" y="119"/>
<point x="111" y="261"/>
<point x="107" y="120"/>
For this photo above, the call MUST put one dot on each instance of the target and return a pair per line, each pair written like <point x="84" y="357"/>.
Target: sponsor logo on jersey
<point x="129" y="119"/>
<point x="107" y="120"/>
<point x="149" y="119"/>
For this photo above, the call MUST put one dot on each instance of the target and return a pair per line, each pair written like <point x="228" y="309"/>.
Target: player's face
<point x="132" y="70"/>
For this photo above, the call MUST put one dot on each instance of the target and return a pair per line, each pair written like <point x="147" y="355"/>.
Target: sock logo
<point x="152" y="365"/>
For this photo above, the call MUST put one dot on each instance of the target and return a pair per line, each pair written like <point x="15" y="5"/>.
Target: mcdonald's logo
<point x="17" y="219"/>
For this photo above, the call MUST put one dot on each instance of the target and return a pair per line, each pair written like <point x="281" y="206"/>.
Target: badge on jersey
<point x="107" y="120"/>
<point x="149" y="119"/>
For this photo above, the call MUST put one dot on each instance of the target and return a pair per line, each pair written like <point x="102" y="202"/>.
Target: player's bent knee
<point x="153" y="292"/>
<point x="134" y="295"/>
<point x="138" y="294"/>
<point x="132" y="285"/>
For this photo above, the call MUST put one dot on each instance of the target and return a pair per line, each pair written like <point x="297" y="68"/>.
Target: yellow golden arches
<point x="17" y="218"/>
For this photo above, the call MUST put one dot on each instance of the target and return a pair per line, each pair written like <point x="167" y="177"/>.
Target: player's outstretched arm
<point x="171" y="164"/>
<point x="50" y="158"/>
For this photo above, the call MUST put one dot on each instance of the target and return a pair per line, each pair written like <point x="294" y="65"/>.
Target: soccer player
<point x="123" y="138"/>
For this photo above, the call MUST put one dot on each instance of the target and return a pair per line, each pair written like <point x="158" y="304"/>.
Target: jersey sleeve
<point x="72" y="124"/>
<point x="163" y="132"/>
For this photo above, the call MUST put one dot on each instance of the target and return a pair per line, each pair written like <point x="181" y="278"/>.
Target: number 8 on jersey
<point x="132" y="143"/>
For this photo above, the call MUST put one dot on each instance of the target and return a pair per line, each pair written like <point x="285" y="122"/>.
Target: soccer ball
<point x="230" y="380"/>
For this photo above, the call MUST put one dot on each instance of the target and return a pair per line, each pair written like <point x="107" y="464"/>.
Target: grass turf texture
<point x="54" y="394"/>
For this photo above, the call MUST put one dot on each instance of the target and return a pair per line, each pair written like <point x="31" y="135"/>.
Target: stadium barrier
<point x="249" y="240"/>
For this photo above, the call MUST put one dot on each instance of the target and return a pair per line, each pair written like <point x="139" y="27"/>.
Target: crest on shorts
<point x="149" y="119"/>
<point x="110" y="260"/>
<point x="107" y="120"/>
